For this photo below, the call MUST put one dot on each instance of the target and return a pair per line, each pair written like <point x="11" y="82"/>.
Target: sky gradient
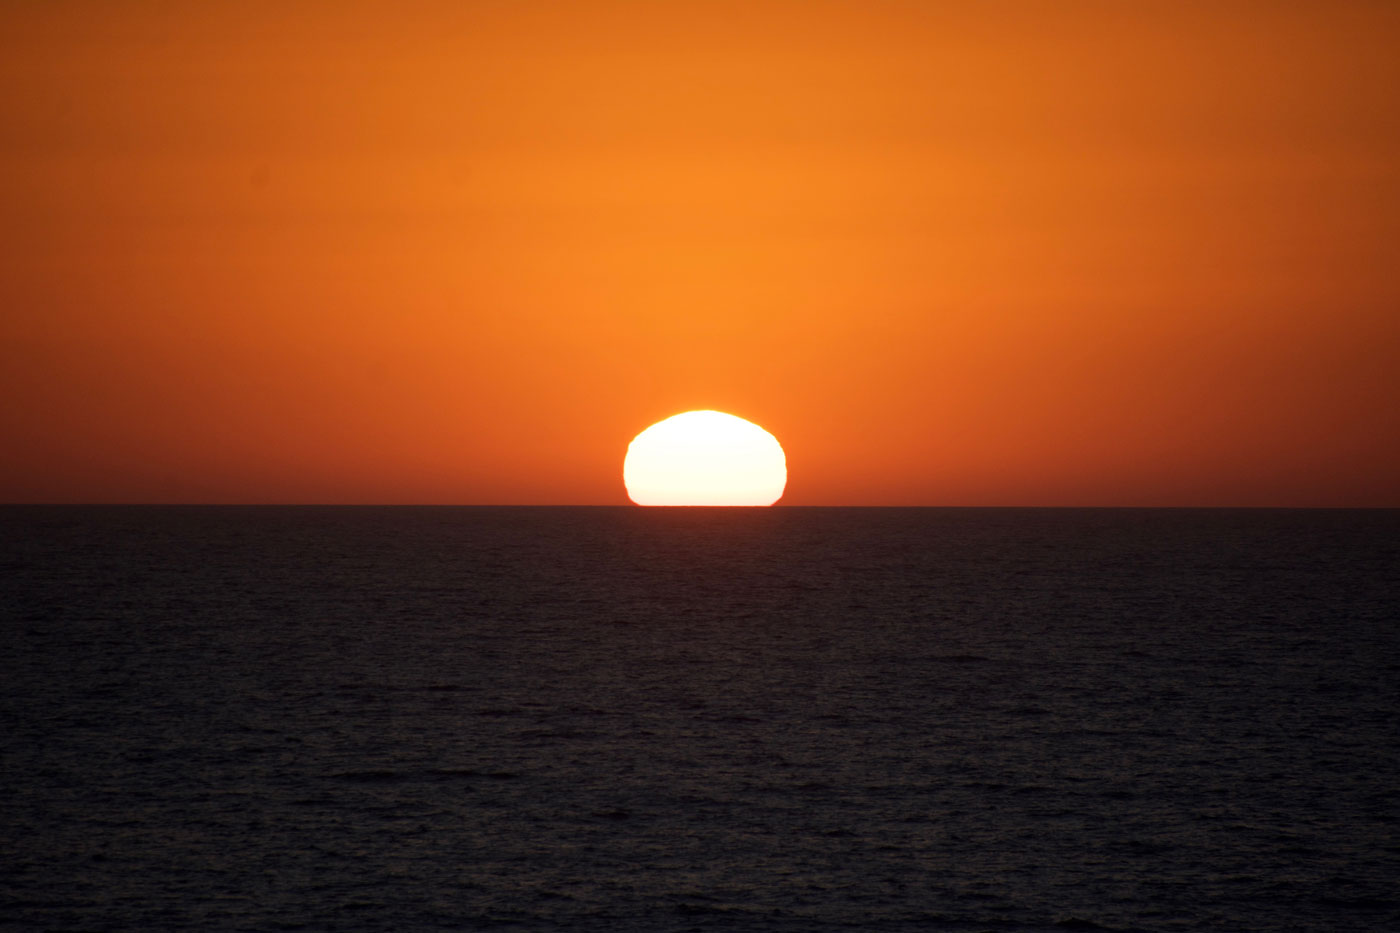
<point x="949" y="254"/>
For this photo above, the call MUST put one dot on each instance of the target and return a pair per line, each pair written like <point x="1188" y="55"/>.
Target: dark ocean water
<point x="596" y="719"/>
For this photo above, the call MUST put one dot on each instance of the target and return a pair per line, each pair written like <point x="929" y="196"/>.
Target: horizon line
<point x="644" y="508"/>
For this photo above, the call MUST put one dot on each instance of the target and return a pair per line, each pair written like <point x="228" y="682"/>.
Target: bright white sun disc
<point x="704" y="458"/>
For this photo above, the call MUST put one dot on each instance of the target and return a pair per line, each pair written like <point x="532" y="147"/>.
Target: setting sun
<point x="704" y="458"/>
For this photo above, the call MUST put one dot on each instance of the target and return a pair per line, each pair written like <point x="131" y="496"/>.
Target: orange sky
<point x="950" y="254"/>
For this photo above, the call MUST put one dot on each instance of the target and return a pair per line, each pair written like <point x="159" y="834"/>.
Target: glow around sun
<point x="704" y="458"/>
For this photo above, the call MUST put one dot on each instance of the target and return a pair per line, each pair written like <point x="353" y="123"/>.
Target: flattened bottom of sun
<point x="704" y="458"/>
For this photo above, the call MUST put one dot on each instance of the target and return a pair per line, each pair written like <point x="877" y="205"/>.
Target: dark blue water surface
<point x="598" y="719"/>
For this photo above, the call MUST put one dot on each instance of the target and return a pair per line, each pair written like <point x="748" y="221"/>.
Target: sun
<point x="704" y="458"/>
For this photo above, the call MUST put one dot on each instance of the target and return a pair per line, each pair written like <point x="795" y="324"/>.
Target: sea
<point x="627" y="719"/>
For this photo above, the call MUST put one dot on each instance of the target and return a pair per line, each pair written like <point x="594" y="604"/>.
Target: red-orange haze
<point x="462" y="252"/>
